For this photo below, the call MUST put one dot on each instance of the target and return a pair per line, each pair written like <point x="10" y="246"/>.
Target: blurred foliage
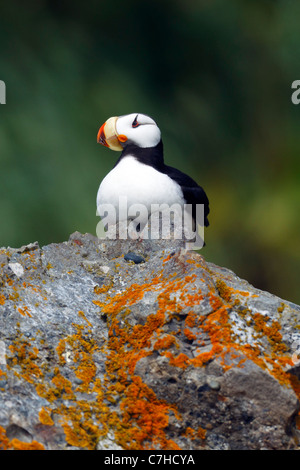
<point x="216" y="75"/>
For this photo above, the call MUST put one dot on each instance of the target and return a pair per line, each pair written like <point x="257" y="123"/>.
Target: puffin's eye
<point x="135" y="122"/>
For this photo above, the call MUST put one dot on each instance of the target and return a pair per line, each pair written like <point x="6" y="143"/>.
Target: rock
<point x="170" y="353"/>
<point x="16" y="268"/>
<point x="137" y="259"/>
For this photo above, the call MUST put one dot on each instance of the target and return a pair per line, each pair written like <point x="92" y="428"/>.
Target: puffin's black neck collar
<point x="153" y="156"/>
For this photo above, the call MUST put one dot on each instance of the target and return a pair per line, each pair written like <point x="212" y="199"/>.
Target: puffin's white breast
<point x="140" y="184"/>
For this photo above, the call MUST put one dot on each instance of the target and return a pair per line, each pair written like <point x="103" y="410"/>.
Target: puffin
<point x="140" y="173"/>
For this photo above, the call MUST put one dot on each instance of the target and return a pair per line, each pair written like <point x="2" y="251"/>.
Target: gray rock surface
<point x="113" y="344"/>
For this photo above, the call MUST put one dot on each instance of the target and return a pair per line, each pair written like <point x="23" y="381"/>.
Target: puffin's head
<point x="135" y="129"/>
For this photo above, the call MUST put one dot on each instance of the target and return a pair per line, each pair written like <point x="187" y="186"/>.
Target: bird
<point x="140" y="174"/>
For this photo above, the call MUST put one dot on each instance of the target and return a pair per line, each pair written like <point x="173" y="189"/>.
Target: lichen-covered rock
<point x="114" y="344"/>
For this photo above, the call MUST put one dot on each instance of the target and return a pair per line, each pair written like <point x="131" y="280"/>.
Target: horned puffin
<point x="140" y="173"/>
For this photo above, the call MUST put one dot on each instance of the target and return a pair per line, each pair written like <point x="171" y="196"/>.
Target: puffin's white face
<point x="137" y="129"/>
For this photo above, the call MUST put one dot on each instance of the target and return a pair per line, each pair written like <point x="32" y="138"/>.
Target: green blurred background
<point x="215" y="75"/>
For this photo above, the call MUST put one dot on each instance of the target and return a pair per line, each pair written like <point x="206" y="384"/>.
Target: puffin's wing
<point x="192" y="192"/>
<point x="197" y="195"/>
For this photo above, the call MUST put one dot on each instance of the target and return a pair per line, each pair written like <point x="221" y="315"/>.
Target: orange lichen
<point x="201" y="433"/>
<point x="77" y="418"/>
<point x="133" y="294"/>
<point x="142" y="407"/>
<point x="215" y="301"/>
<point x="2" y="299"/>
<point x="167" y="258"/>
<point x="190" y="336"/>
<point x="58" y="388"/>
<point x="193" y="434"/>
<point x="15" y="295"/>
<point x="61" y="351"/>
<point x="82" y="315"/>
<point x="218" y="327"/>
<point x="191" y="300"/>
<point x="143" y="417"/>
<point x="227" y="293"/>
<point x="190" y="433"/>
<point x="275" y="362"/>
<point x="204" y="357"/>
<point x="45" y="417"/>
<point x="281" y="307"/>
<point x="101" y="290"/>
<point x="79" y="433"/>
<point x="25" y="356"/>
<point x="182" y="360"/>
<point x="16" y="444"/>
<point x="35" y="288"/>
<point x="164" y="343"/>
<point x="20" y="445"/>
<point x="4" y="441"/>
<point x="24" y="311"/>
<point x="190" y="278"/>
<point x="224" y="291"/>
<point x="271" y="332"/>
<point x="130" y="346"/>
<point x="191" y="319"/>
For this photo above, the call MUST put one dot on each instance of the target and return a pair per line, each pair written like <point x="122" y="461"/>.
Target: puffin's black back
<point x="192" y="192"/>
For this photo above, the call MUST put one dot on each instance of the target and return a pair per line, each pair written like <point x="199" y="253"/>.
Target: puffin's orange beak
<point x="108" y="136"/>
<point x="101" y="136"/>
